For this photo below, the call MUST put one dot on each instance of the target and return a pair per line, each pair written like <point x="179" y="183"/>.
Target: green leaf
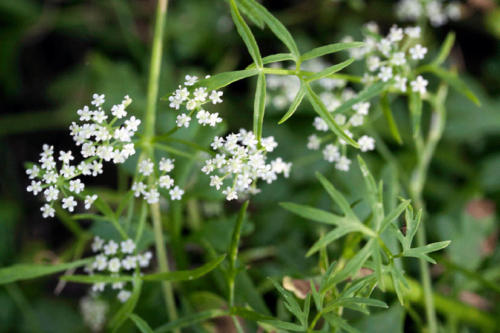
<point x="31" y="271"/>
<point x="320" y="108"/>
<point x="141" y="324"/>
<point x="412" y="224"/>
<point x="128" y="307"/>
<point x="415" y="106"/>
<point x="259" y="106"/>
<point x="393" y="215"/>
<point x="235" y="239"/>
<point x="336" y="321"/>
<point x="186" y="275"/>
<point x="393" y="127"/>
<point x="421" y="251"/>
<point x="295" y="104"/>
<point x="332" y="236"/>
<point x="273" y="58"/>
<point x="96" y="278"/>
<point x="330" y="48"/>
<point x="454" y="81"/>
<point x="355" y="300"/>
<point x="354" y="264"/>
<point x="191" y="320"/>
<point x="257" y="317"/>
<point x="445" y="49"/>
<point x="275" y="25"/>
<point x="330" y="70"/>
<point x="246" y="34"/>
<point x="250" y="11"/>
<point x="221" y="80"/>
<point x="364" y="95"/>
<point x="315" y="214"/>
<point x="290" y="302"/>
<point x="337" y="197"/>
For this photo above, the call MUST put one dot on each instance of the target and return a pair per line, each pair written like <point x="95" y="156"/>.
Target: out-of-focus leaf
<point x="259" y="106"/>
<point x="128" y="307"/>
<point x="246" y="34"/>
<point x="330" y="48"/>
<point x="185" y="275"/>
<point x="141" y="324"/>
<point x="191" y="320"/>
<point x="330" y="70"/>
<point x="31" y="271"/>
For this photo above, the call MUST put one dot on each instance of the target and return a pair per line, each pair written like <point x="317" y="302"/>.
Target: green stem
<point x="425" y="151"/>
<point x="149" y="133"/>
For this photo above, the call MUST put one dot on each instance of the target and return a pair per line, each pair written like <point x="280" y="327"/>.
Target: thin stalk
<point x="149" y="133"/>
<point x="425" y="151"/>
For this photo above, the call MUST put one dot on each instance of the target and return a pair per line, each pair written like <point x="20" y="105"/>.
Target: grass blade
<point x="259" y="107"/>
<point x="32" y="271"/>
<point x="295" y="104"/>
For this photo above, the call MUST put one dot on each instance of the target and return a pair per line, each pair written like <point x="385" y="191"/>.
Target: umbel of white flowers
<point x="100" y="141"/>
<point x="116" y="259"/>
<point x="240" y="161"/>
<point x="193" y="102"/>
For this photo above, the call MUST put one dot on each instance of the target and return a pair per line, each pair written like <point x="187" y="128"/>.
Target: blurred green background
<point x="55" y="54"/>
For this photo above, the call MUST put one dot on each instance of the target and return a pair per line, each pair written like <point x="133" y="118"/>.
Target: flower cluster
<point x="393" y="57"/>
<point x="115" y="259"/>
<point x="439" y="12"/>
<point x="150" y="192"/>
<point x="335" y="149"/>
<point x="99" y="140"/>
<point x="94" y="312"/>
<point x="193" y="102"/>
<point x="241" y="159"/>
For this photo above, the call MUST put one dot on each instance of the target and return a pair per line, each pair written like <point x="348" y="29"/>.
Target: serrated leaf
<point x="454" y="81"/>
<point x="330" y="48"/>
<point x="330" y="70"/>
<point x="221" y="80"/>
<point x="246" y="34"/>
<point x="259" y="106"/>
<point x="421" y="251"/>
<point x="315" y="214"/>
<point x="31" y="271"/>
<point x="96" y="278"/>
<point x="321" y="110"/>
<point x="337" y="197"/>
<point x="141" y="324"/>
<point x="445" y="49"/>
<point x="275" y="25"/>
<point x="191" y="320"/>
<point x="386" y="110"/>
<point x="295" y="104"/>
<point x="185" y="275"/>
<point x="128" y="307"/>
<point x="332" y="236"/>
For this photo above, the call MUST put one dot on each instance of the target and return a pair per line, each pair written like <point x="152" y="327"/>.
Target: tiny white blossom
<point x="123" y="295"/>
<point x="51" y="193"/>
<point x="89" y="200"/>
<point x="419" y="85"/>
<point x="400" y="83"/>
<point x="366" y="143"/>
<point x="98" y="287"/>
<point x="320" y="124"/>
<point x="215" y="96"/>
<point x="97" y="244"/>
<point x="166" y="164"/>
<point x="110" y="248"/>
<point x="343" y="164"/>
<point x="230" y="194"/>
<point x="413" y="32"/>
<point x="216" y="182"/>
<point x="66" y="156"/>
<point x="146" y="167"/>
<point x="127" y="246"/>
<point x="176" y="193"/>
<point x="313" y="142"/>
<point x="385" y="73"/>
<point x="190" y="80"/>
<point x="97" y="100"/>
<point x="331" y="153"/>
<point x="114" y="265"/>
<point x="356" y="120"/>
<point x="183" y="120"/>
<point x="166" y="182"/>
<point x="69" y="203"/>
<point x="398" y="59"/>
<point x="35" y="187"/>
<point x="118" y="111"/>
<point x="418" y="52"/>
<point x="47" y="211"/>
<point x="76" y="186"/>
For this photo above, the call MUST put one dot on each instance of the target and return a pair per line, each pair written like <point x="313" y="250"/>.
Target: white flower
<point x="89" y="200"/>
<point x="343" y="164"/>
<point x="127" y="246"/>
<point x="230" y="194"/>
<point x="413" y="32"/>
<point x="97" y="100"/>
<point x="356" y="120"/>
<point x="69" y="203"/>
<point x="384" y="46"/>
<point x="331" y="153"/>
<point x="118" y="111"/>
<point x="215" y="97"/>
<point x="97" y="244"/>
<point x="200" y="94"/>
<point x="418" y="52"/>
<point x="373" y="62"/>
<point x="190" y="80"/>
<point x="99" y="116"/>
<point x="144" y="259"/>
<point x="419" y="85"/>
<point x="110" y="248"/>
<point x="146" y="167"/>
<point x="132" y="124"/>
<point x="85" y="113"/>
<point x="100" y="263"/>
<point x="340" y="119"/>
<point x="98" y="287"/>
<point x="176" y="193"/>
<point x="313" y="142"/>
<point x="76" y="186"/>
<point x="395" y="34"/>
<point x="366" y="143"/>
<point x="51" y="193"/>
<point x="400" y="83"/>
<point x="47" y="211"/>
<point x="35" y="187"/>
<point x="124" y="295"/>
<point x="33" y="172"/>
<point x="117" y="285"/>
<point x="138" y="188"/>
<point x="362" y="108"/>
<point x="398" y="59"/>
<point x="166" y="182"/>
<point x="183" y="120"/>
<point x="216" y="182"/>
<point x="114" y="265"/>
<point x="66" y="157"/>
<point x="217" y="143"/>
<point x="320" y="124"/>
<point x="269" y="143"/>
<point x="129" y="262"/>
<point x="152" y="196"/>
<point x="385" y="73"/>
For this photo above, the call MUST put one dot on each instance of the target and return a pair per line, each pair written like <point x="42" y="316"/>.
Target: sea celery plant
<point x="366" y="261"/>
